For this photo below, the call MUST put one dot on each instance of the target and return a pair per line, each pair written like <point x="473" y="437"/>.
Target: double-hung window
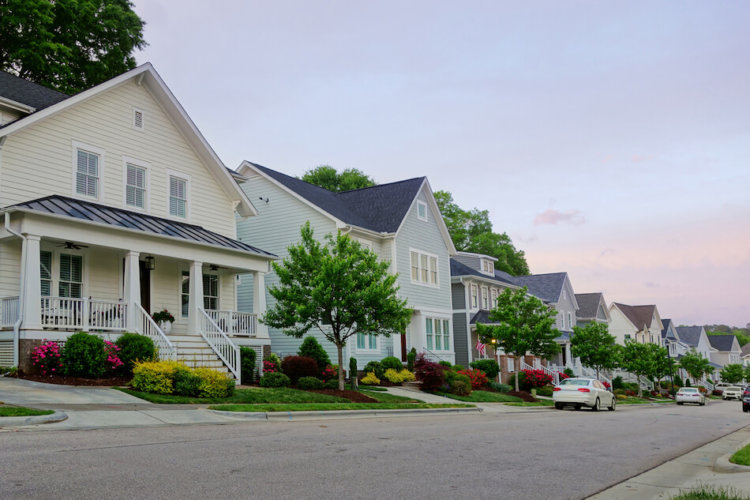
<point x="485" y="298"/>
<point x="71" y="276"/>
<point x="493" y="295"/>
<point x="488" y="266"/>
<point x="87" y="173"/>
<point x="422" y="210"/>
<point x="424" y="268"/>
<point x="178" y="196"/>
<point x="210" y="292"/>
<point x="367" y="342"/>
<point x="135" y="186"/>
<point x="438" y="334"/>
<point x="45" y="271"/>
<point x="474" y="296"/>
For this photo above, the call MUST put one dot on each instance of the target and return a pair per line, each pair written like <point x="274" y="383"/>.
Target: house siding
<point x="458" y="296"/>
<point x="37" y="161"/>
<point x="461" y="340"/>
<point x="10" y="267"/>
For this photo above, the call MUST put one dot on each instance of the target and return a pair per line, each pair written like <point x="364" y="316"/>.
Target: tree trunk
<point x="597" y="373"/>
<point x="518" y="365"/>
<point x="340" y="352"/>
<point x="640" y="390"/>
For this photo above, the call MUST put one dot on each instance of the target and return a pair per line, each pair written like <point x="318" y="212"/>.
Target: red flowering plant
<point x="606" y="384"/>
<point x="431" y="374"/>
<point x="269" y="366"/>
<point x="478" y="377"/>
<point x="113" y="359"/>
<point x="537" y="378"/>
<point x="46" y="357"/>
<point x="329" y="373"/>
<point x="562" y="376"/>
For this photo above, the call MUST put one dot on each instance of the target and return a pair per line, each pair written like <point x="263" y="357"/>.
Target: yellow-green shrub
<point x="214" y="384"/>
<point x="370" y="379"/>
<point x="155" y="376"/>
<point x="393" y="376"/>
<point x="407" y="376"/>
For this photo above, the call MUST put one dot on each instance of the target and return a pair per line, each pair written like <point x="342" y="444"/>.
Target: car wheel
<point x="559" y="406"/>
<point x="596" y="405"/>
<point x="578" y="407"/>
<point x="612" y="406"/>
<point x="679" y="402"/>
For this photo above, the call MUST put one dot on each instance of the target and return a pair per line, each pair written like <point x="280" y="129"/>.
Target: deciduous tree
<point x="732" y="373"/>
<point x="327" y="177"/>
<point x="695" y="364"/>
<point x="595" y="346"/>
<point x="340" y="288"/>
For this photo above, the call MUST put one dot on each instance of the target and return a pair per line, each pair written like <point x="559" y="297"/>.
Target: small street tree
<point x="639" y="359"/>
<point x="595" y="346"/>
<point x="662" y="362"/>
<point x="338" y="287"/>
<point x="746" y="373"/>
<point x="732" y="374"/>
<point x="695" y="365"/>
<point x="521" y="324"/>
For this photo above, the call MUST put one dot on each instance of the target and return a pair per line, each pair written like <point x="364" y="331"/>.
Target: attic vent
<point x="138" y="119"/>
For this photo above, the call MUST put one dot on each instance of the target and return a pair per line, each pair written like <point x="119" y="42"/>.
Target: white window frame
<point x="55" y="268"/>
<point x="488" y="267"/>
<point x="147" y="188"/>
<point x="421" y="207"/>
<point x="368" y="342"/>
<point x="474" y="296"/>
<point x="511" y="364"/>
<point x="80" y="146"/>
<point x="493" y="297"/>
<point x="441" y="327"/>
<point x="185" y="271"/>
<point x="485" y="298"/>
<point x="143" y="119"/>
<point x="423" y="272"/>
<point x="188" y="203"/>
<point x="570" y="320"/>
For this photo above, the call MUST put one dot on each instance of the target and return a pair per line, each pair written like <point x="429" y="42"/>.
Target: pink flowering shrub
<point x="329" y="373"/>
<point x="113" y="359"/>
<point x="47" y="358"/>
<point x="269" y="366"/>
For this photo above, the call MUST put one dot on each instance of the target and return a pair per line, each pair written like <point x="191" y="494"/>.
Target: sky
<point x="610" y="140"/>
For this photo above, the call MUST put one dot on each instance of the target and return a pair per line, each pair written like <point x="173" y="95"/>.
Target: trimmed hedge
<point x="489" y="366"/>
<point x="392" y="363"/>
<point x="310" y="383"/>
<point x="172" y="377"/>
<point x="296" y="367"/>
<point x="247" y="364"/>
<point x="83" y="355"/>
<point x="274" y="379"/>
<point x="134" y="347"/>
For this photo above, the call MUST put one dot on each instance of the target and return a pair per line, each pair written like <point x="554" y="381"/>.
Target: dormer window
<point x="488" y="267"/>
<point x="422" y="210"/>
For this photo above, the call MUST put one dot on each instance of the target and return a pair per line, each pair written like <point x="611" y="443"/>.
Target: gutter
<point x="19" y="321"/>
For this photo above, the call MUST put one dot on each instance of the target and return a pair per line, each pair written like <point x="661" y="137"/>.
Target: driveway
<point x="27" y="393"/>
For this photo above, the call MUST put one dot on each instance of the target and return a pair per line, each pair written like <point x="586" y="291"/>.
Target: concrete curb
<point x="723" y="465"/>
<point x="291" y="415"/>
<point x="58" y="416"/>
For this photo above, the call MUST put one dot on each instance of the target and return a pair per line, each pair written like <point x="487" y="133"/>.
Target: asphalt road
<point x="548" y="455"/>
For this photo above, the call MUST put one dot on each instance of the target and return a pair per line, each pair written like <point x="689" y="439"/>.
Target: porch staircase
<point x="195" y="352"/>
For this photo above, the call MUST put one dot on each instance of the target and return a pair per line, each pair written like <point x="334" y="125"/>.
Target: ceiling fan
<point x="69" y="245"/>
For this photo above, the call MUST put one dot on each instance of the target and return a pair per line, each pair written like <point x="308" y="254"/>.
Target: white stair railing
<point x="525" y="365"/>
<point x="146" y="326"/>
<point x="235" y="323"/>
<point x="225" y="349"/>
<point x="8" y="311"/>
<point x="552" y="373"/>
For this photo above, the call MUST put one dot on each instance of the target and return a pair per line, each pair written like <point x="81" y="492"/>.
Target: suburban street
<point x="534" y="454"/>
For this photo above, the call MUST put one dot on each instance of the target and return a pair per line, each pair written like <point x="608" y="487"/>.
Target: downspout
<point x="19" y="321"/>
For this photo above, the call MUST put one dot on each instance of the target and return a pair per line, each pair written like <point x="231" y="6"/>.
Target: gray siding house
<point x="399" y="221"/>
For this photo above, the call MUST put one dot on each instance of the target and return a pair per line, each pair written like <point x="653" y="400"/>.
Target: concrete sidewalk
<point x="704" y="466"/>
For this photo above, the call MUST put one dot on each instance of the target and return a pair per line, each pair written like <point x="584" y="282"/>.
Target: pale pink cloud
<point x="554" y="217"/>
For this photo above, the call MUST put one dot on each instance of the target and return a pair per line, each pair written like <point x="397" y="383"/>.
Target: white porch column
<point x="132" y="293"/>
<point x="32" y="289"/>
<point x="568" y="360"/>
<point x="259" y="303"/>
<point x="195" y="299"/>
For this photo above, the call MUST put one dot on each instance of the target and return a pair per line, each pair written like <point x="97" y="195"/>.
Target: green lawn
<point x="634" y="400"/>
<point x="384" y="397"/>
<point x="711" y="493"/>
<point x="253" y="395"/>
<point x="482" y="397"/>
<point x="20" y="411"/>
<point x="541" y="402"/>
<point x="333" y="406"/>
<point x="741" y="456"/>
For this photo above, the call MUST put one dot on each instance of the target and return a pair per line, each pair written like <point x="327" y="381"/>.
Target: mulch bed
<point x="353" y="396"/>
<point x="63" y="380"/>
<point x="525" y="396"/>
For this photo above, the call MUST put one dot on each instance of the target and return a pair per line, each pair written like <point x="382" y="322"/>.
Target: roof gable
<point x="640" y="316"/>
<point x="724" y="343"/>
<point x="547" y="287"/>
<point x="691" y="335"/>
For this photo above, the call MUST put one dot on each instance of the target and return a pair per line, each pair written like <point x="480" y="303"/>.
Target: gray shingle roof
<point x="547" y="287"/>
<point x="690" y="335"/>
<point x="588" y="304"/>
<point x="638" y="315"/>
<point x="28" y="93"/>
<point x="480" y="316"/>
<point x="746" y="349"/>
<point x="460" y="269"/>
<point x="722" y="342"/>
<point x="111" y="216"/>
<point x="505" y="277"/>
<point x="380" y="208"/>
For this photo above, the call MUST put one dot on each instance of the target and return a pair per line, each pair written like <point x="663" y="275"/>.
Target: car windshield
<point x="688" y="390"/>
<point x="733" y="388"/>
<point x="574" y="381"/>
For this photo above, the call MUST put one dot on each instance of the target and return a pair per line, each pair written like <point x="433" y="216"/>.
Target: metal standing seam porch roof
<point x="110" y="216"/>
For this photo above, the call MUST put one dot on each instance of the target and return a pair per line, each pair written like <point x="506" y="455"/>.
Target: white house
<point x="638" y="323"/>
<point x="114" y="206"/>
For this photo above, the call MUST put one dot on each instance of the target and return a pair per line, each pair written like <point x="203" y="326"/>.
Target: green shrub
<point x="186" y="383"/>
<point x="458" y="368"/>
<point x="274" y="379"/>
<point x="678" y="381"/>
<point x="569" y="372"/>
<point x="275" y="359"/>
<point x="134" y="347"/>
<point x="617" y="383"/>
<point x="630" y="386"/>
<point x="460" y="385"/>
<point x="310" y="383"/>
<point x="247" y="364"/>
<point x="489" y="366"/>
<point x="445" y="364"/>
<point x="296" y="367"/>
<point x="410" y="358"/>
<point x="500" y="387"/>
<point x="331" y="384"/>
<point x="375" y="367"/>
<point x="352" y="368"/>
<point x="214" y="384"/>
<point x="156" y="377"/>
<point x="544" y="391"/>
<point x="83" y="355"/>
<point x="392" y="362"/>
<point x="311" y="348"/>
<point x="370" y="379"/>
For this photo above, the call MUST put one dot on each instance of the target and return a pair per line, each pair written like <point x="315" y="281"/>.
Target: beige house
<point x="638" y="323"/>
<point x="114" y="207"/>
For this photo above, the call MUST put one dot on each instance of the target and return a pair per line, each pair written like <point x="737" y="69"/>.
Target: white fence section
<point x="235" y="323"/>
<point x="146" y="326"/>
<point x="83" y="314"/>
<point x="8" y="311"/>
<point x="225" y="349"/>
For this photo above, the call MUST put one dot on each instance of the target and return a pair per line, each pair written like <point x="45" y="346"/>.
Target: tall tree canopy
<point x="696" y="365"/>
<point x="595" y="346"/>
<point x="521" y="324"/>
<point x="471" y="231"/>
<point x="69" y="45"/>
<point x="327" y="177"/>
<point x="339" y="288"/>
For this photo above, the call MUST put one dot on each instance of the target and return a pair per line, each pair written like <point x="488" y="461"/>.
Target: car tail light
<point x="557" y="389"/>
<point x="584" y="389"/>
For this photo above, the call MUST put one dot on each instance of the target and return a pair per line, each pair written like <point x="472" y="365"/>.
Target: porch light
<point x="150" y="263"/>
<point x="494" y="341"/>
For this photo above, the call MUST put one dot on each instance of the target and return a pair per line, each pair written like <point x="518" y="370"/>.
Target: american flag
<point x="481" y="349"/>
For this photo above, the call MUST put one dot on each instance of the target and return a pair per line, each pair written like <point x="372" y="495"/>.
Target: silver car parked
<point x="579" y="392"/>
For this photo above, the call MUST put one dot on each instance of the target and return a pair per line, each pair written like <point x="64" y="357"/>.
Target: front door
<point x="145" y="277"/>
<point x="403" y="346"/>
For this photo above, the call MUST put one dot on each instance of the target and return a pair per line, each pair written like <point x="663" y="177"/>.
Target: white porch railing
<point x="147" y="327"/>
<point x="83" y="313"/>
<point x="8" y="311"/>
<point x="235" y="323"/>
<point x="552" y="373"/>
<point x="525" y="365"/>
<point x="225" y="349"/>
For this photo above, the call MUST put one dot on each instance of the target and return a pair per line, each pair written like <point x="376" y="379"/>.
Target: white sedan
<point x="578" y="392"/>
<point x="690" y="395"/>
<point x="732" y="392"/>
